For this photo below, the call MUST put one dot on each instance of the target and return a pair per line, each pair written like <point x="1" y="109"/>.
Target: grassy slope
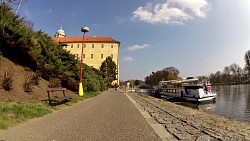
<point x="17" y="106"/>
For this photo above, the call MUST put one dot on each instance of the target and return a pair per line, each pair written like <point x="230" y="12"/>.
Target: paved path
<point x="110" y="116"/>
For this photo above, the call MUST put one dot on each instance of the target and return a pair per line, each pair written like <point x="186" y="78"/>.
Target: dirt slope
<point x="17" y="93"/>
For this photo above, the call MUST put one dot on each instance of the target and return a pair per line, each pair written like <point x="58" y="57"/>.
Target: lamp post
<point x="84" y="30"/>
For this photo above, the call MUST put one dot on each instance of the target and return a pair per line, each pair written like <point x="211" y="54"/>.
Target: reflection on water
<point x="204" y="107"/>
<point x="233" y="101"/>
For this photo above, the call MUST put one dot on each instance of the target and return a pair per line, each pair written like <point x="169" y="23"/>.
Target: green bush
<point x="92" y="84"/>
<point x="70" y="83"/>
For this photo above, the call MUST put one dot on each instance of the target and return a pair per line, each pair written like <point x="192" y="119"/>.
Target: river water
<point x="233" y="101"/>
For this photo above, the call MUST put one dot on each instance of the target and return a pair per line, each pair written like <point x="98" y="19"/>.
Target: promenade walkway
<point x="110" y="116"/>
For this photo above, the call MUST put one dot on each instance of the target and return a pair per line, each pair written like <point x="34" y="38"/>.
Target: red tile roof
<point x="86" y="39"/>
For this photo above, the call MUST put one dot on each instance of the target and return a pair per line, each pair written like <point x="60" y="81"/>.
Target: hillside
<point x="17" y="93"/>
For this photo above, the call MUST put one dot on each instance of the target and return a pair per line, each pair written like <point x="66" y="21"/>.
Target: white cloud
<point x="135" y="47"/>
<point x="198" y="7"/>
<point x="128" y="59"/>
<point x="171" y="12"/>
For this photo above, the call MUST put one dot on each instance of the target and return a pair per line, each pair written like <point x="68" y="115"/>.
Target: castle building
<point x="95" y="51"/>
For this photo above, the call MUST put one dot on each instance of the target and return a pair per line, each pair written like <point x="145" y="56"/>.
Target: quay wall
<point x="184" y="123"/>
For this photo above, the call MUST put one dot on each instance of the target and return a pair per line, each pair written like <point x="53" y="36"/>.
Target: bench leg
<point x="49" y="97"/>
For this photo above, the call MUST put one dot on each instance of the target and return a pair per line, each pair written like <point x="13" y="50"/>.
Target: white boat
<point x="189" y="89"/>
<point x="170" y="89"/>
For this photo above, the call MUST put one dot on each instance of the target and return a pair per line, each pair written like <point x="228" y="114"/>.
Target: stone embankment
<point x="184" y="123"/>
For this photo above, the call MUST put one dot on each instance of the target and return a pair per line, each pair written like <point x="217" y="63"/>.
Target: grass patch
<point x="27" y="111"/>
<point x="18" y="112"/>
<point x="3" y="123"/>
<point x="90" y="94"/>
<point x="13" y="112"/>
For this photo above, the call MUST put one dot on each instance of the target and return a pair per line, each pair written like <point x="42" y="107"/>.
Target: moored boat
<point x="189" y="89"/>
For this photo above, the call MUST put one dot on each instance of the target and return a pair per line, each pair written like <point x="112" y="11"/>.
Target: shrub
<point x="103" y="85"/>
<point x="70" y="83"/>
<point x="92" y="84"/>
<point x="7" y="80"/>
<point x="37" y="77"/>
<point x="28" y="82"/>
<point x="54" y="82"/>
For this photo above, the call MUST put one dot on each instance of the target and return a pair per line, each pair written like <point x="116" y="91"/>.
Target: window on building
<point x="83" y="56"/>
<point x="84" y="45"/>
<point x="102" y="56"/>
<point x="102" y="45"/>
<point x="72" y="46"/>
<point x="78" y="45"/>
<point x="111" y="56"/>
<point x="112" y="46"/>
<point x="93" y="45"/>
<point x="92" y="55"/>
<point x="77" y="56"/>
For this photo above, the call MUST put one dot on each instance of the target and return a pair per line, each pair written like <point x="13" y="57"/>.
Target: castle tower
<point x="60" y="33"/>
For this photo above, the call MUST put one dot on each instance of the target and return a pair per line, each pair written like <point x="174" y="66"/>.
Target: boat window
<point x="192" y="87"/>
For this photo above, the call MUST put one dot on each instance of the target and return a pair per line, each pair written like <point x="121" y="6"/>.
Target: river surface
<point x="233" y="101"/>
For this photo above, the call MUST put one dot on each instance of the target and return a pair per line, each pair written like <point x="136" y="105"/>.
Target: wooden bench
<point x="57" y="99"/>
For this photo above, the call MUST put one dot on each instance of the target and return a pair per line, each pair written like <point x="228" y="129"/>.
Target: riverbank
<point x="189" y="124"/>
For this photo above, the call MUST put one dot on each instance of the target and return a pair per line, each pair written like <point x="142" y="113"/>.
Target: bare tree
<point x="239" y="74"/>
<point x="227" y="73"/>
<point x="247" y="61"/>
<point x="217" y="75"/>
<point x="234" y="68"/>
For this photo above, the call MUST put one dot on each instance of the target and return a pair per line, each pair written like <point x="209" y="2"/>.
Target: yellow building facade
<point x="96" y="49"/>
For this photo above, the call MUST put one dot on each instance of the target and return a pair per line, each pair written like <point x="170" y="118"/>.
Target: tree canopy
<point x="168" y="73"/>
<point x="36" y="50"/>
<point x="109" y="69"/>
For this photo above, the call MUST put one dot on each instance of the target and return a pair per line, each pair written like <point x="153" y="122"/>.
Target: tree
<point x="138" y="82"/>
<point x="234" y="68"/>
<point x="14" y="4"/>
<point x="217" y="76"/>
<point x="226" y="74"/>
<point x="36" y="50"/>
<point x="247" y="61"/>
<point x="168" y="73"/>
<point x="172" y="70"/>
<point x="109" y="69"/>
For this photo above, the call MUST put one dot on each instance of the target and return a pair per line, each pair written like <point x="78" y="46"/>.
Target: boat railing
<point x="171" y="90"/>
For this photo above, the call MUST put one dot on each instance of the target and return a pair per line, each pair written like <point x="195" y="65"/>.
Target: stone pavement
<point x="110" y="116"/>
<point x="181" y="127"/>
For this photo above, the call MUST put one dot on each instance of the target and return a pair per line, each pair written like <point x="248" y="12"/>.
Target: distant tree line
<point x="168" y="73"/>
<point x="232" y="74"/>
<point x="36" y="50"/>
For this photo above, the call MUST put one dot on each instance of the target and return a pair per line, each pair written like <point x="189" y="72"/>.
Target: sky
<point x="198" y="37"/>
